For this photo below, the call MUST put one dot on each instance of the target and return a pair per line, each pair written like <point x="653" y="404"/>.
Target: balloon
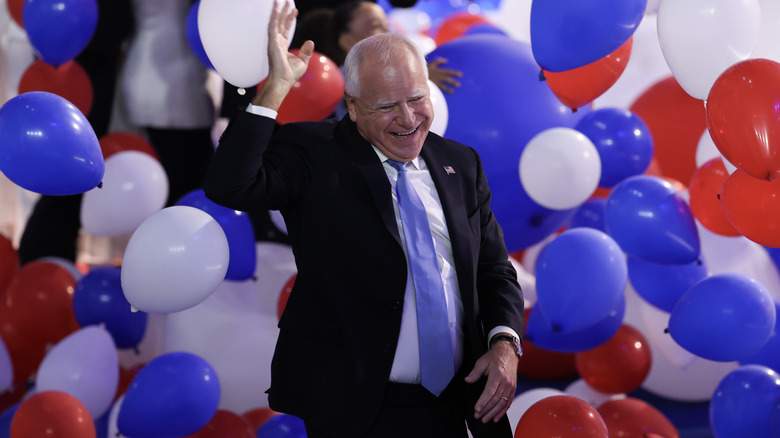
<point x="69" y="81"/>
<point x="5" y="420"/>
<point x="561" y="415"/>
<point x="623" y="141"/>
<point x="285" y="295"/>
<point x="560" y="168"/>
<point x="525" y="399"/>
<point x="768" y="35"/>
<point x="662" y="285"/>
<point x="744" y="402"/>
<point x="579" y="262"/>
<point x="225" y="424"/>
<point x="9" y="262"/>
<point x="456" y="24"/>
<point x="676" y="121"/>
<point x="495" y="70"/>
<point x="134" y="187"/>
<point x="60" y="29"/>
<point x="568" y="33"/>
<point x="741" y="116"/>
<point x="748" y="202"/>
<point x="234" y="36"/>
<point x="634" y="418"/>
<point x="590" y="214"/>
<point x="580" y="389"/>
<point x="706" y="150"/>
<point x="15" y="9"/>
<point x="701" y="38"/>
<point x="539" y="363"/>
<point x="193" y="35"/>
<point x="544" y="334"/>
<point x="84" y="365"/>
<point x="705" y="197"/>
<point x="52" y="413"/>
<point x="47" y="146"/>
<point x="6" y="368"/>
<point x="119" y="141"/>
<point x="98" y="299"/>
<point x="238" y="230"/>
<point x="578" y="87"/>
<point x="651" y="221"/>
<point x="175" y="394"/>
<point x="174" y="260"/>
<point x="769" y="354"/>
<point x="409" y="21"/>
<point x="282" y="426"/>
<point x="725" y="317"/>
<point x="620" y="365"/>
<point x="257" y="416"/>
<point x="440" y="110"/>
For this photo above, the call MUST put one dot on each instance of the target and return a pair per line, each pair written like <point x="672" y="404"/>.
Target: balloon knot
<point x="541" y="76"/>
<point x="254" y="278"/>
<point x="536" y="220"/>
<point x="699" y="262"/>
<point x="556" y="329"/>
<point x="574" y="110"/>
<point x="666" y="330"/>
<point x="136" y="351"/>
<point x="718" y="195"/>
<point x="100" y="185"/>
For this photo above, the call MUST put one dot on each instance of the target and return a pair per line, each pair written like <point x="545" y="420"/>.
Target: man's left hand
<point x="499" y="364"/>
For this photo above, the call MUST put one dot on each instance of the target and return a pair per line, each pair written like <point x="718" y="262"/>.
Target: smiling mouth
<point x="405" y="134"/>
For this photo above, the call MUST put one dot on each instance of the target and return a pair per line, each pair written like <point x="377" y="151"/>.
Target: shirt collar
<point x="383" y="158"/>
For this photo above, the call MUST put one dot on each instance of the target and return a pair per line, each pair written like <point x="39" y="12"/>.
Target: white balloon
<point x="527" y="283"/>
<point x="706" y="151"/>
<point x="702" y="38"/>
<point x="560" y="168"/>
<point x="235" y="329"/>
<point x="513" y="17"/>
<point x="134" y="187"/>
<point x="409" y="20"/>
<point x="580" y="389"/>
<point x="113" y="430"/>
<point x="6" y="368"/>
<point x="525" y="400"/>
<point x="768" y="45"/>
<point x="278" y="220"/>
<point x="441" y="112"/>
<point x="85" y="365"/>
<point x="424" y="42"/>
<point x="174" y="260"/>
<point x="234" y="34"/>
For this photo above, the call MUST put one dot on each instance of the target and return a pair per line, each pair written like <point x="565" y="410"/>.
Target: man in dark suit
<point x="347" y="359"/>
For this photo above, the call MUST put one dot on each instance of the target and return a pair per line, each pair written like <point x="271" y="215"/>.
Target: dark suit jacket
<point x="340" y="327"/>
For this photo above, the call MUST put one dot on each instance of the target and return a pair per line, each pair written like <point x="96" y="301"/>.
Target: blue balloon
<point x="5" y="420"/>
<point x="590" y="214"/>
<point x="651" y="221"/>
<point x="664" y="285"/>
<point x="47" y="145"/>
<point x="238" y="230"/>
<point x="580" y="276"/>
<point x="725" y="317"/>
<point x="623" y="140"/>
<point x="744" y="403"/>
<point x="282" y="426"/>
<point x="173" y="395"/>
<point x="499" y="107"/>
<point x="566" y="34"/>
<point x="484" y="29"/>
<point x="59" y="29"/>
<point x="440" y="10"/>
<point x="541" y="333"/>
<point x="98" y="300"/>
<point x="193" y="36"/>
<point x="769" y="354"/>
<point x="101" y="425"/>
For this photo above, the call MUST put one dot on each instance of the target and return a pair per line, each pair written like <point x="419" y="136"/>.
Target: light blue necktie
<point x="437" y="364"/>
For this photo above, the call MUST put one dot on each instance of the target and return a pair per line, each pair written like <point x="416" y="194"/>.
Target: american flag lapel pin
<point x="449" y="170"/>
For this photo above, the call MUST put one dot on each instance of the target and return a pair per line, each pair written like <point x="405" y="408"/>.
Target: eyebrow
<point x="380" y="103"/>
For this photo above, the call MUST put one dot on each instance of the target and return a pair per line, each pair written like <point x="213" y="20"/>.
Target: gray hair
<point x="384" y="45"/>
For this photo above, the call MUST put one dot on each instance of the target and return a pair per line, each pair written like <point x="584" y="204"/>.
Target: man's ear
<point x="350" y="101"/>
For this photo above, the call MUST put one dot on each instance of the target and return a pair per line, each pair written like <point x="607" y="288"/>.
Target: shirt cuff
<point x="502" y="329"/>
<point x="262" y="111"/>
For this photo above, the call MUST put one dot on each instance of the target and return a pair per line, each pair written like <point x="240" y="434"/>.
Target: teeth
<point x="404" y="134"/>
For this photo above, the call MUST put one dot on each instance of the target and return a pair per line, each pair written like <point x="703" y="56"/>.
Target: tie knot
<point x="399" y="166"/>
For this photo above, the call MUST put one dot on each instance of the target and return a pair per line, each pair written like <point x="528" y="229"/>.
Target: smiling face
<point x="393" y="110"/>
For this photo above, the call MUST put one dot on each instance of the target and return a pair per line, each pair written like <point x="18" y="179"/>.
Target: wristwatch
<point x="509" y="338"/>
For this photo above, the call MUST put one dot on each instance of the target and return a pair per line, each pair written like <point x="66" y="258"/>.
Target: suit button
<point x="396" y="305"/>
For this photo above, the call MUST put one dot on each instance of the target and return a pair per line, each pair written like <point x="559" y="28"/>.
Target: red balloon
<point x="9" y="262"/>
<point x="561" y="416"/>
<point x="618" y="365"/>
<point x="676" y="121"/>
<point x="258" y="416"/>
<point x="633" y="418"/>
<point x="225" y="424"/>
<point x="15" y="9"/>
<point x="456" y="25"/>
<point x="538" y="363"/>
<point x="119" y="141"/>
<point x="751" y="205"/>
<point x="704" y="193"/>
<point x="742" y="116"/>
<point x="316" y="94"/>
<point x="52" y="414"/>
<point x="69" y="80"/>
<point x="577" y="87"/>
<point x="285" y="295"/>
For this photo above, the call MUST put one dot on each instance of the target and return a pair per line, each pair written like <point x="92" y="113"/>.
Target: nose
<point x="405" y="115"/>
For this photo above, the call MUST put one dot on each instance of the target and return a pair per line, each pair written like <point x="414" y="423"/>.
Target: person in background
<point x="405" y="315"/>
